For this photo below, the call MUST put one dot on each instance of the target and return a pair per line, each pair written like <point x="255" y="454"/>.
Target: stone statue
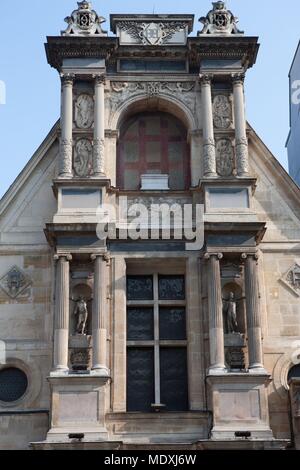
<point x="84" y="21"/>
<point x="81" y="312"/>
<point x="230" y="311"/>
<point x="220" y="21"/>
<point x="84" y="111"/>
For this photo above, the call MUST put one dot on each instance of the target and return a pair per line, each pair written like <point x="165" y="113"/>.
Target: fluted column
<point x="66" y="122"/>
<point x="99" y="321"/>
<point x="209" y="147"/>
<point x="242" y="157"/>
<point x="253" y="312"/>
<point x="99" y="127"/>
<point x="61" y="325"/>
<point x="215" y="307"/>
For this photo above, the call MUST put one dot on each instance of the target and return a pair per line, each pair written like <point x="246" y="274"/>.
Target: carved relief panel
<point x="222" y="112"/>
<point x="225" y="157"/>
<point x="84" y="111"/>
<point x="83" y="157"/>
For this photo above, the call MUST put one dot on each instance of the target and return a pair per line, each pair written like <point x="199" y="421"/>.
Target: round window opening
<point x="13" y="384"/>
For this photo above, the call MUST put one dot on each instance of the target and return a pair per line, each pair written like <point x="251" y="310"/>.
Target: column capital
<point x="206" y="79"/>
<point x="67" y="78"/>
<point x="244" y="256"/>
<point x="238" y="78"/>
<point x="207" y="256"/>
<point x="57" y="256"/>
<point x="105" y="256"/>
<point x="99" y="79"/>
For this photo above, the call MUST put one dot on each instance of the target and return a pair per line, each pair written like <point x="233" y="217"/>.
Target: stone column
<point x="99" y="332"/>
<point x="215" y="307"/>
<point x="62" y="312"/>
<point x="241" y="141"/>
<point x="209" y="147"/>
<point x="253" y="312"/>
<point x="66" y="142"/>
<point x="99" y="127"/>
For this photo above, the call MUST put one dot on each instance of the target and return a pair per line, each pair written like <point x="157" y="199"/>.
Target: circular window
<point x="13" y="384"/>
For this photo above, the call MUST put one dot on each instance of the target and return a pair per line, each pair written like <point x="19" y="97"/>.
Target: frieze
<point x="224" y="157"/>
<point x="222" y="112"/>
<point x="124" y="90"/>
<point x="151" y="34"/>
<point x="83" y="158"/>
<point x="84" y="111"/>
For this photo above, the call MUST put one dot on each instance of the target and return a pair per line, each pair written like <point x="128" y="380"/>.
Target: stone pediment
<point x="152" y="30"/>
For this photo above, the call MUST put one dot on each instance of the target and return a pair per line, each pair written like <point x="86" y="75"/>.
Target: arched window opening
<point x="153" y="143"/>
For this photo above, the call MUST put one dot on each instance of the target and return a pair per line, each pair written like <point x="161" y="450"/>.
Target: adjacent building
<point x="293" y="142"/>
<point x="150" y="251"/>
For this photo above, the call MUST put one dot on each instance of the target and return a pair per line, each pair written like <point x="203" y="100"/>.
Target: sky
<point x="33" y="88"/>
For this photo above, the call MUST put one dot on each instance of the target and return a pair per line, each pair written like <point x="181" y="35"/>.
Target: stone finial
<point x="84" y="21"/>
<point x="220" y="21"/>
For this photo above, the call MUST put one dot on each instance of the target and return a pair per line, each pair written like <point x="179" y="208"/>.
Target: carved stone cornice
<point x="69" y="47"/>
<point x="231" y="47"/>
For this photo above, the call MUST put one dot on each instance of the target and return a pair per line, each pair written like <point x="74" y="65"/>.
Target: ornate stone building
<point x="150" y="341"/>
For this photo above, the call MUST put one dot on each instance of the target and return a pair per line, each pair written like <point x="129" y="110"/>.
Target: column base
<point x="217" y="371"/>
<point x="59" y="371"/>
<point x="240" y="407"/>
<point x="65" y="176"/>
<point x="100" y="371"/>
<point x="78" y="408"/>
<point x="211" y="175"/>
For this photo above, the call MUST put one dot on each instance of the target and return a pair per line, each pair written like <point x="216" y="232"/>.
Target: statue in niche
<point x="84" y="111"/>
<point x="230" y="310"/>
<point x="81" y="312"/>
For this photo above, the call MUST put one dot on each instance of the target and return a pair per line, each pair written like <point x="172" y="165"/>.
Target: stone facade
<point x="56" y="272"/>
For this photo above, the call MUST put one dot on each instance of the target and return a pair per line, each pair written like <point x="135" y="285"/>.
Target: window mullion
<point x="156" y="342"/>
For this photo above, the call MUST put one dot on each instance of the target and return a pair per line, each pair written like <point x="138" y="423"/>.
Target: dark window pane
<point x="172" y="324"/>
<point x="139" y="288"/>
<point x="13" y="384"/>
<point x="294" y="373"/>
<point x="171" y="288"/>
<point x="173" y="379"/>
<point x="140" y="324"/>
<point x="140" y="379"/>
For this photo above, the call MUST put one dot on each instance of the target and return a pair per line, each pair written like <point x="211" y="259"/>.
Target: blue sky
<point x="33" y="88"/>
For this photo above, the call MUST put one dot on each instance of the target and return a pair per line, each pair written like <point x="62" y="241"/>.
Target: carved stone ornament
<point x="99" y="156"/>
<point x="14" y="282"/>
<point x="181" y="90"/>
<point x="84" y="111"/>
<point x="153" y="34"/>
<point x="80" y="359"/>
<point x="242" y="156"/>
<point x="220" y="21"/>
<point x="224" y="157"/>
<point x="235" y="358"/>
<point x="84" y="21"/>
<point x="222" y="112"/>
<point x="66" y="156"/>
<point x="209" y="157"/>
<point x="83" y="157"/>
<point x="292" y="279"/>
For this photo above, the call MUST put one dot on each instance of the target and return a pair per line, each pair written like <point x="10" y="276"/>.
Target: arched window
<point x="294" y="372"/>
<point x="153" y="143"/>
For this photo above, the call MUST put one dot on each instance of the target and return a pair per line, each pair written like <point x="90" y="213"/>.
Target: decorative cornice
<point x="59" y="48"/>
